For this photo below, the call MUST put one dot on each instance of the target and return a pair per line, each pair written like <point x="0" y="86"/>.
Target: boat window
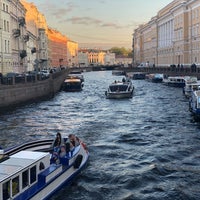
<point x="6" y="190"/>
<point x="25" y="179"/>
<point x="119" y="88"/>
<point x="33" y="174"/>
<point x="15" y="186"/>
<point x="41" y="166"/>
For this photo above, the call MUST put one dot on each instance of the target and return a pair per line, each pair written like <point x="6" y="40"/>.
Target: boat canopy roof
<point x="18" y="162"/>
<point x="72" y="80"/>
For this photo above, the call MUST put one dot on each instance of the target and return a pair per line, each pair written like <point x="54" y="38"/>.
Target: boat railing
<point x="29" y="145"/>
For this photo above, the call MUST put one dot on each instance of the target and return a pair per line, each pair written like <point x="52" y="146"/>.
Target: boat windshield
<point x="118" y="88"/>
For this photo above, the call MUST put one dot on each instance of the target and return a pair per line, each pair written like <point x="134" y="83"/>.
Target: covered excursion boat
<point x="72" y="84"/>
<point x="28" y="172"/>
<point x="120" y="89"/>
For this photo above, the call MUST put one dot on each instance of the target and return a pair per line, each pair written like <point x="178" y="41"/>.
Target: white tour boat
<point x="27" y="172"/>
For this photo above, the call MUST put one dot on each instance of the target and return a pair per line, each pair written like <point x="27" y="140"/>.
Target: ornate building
<point x="171" y="37"/>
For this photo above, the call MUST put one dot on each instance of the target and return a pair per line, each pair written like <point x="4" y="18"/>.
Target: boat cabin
<point x="72" y="84"/>
<point x="196" y="99"/>
<point x="20" y="171"/>
<point x="120" y="87"/>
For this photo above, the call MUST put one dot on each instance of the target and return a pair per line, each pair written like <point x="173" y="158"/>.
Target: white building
<point x="109" y="58"/>
<point x="18" y="37"/>
<point x="83" y="59"/>
<point x="5" y="34"/>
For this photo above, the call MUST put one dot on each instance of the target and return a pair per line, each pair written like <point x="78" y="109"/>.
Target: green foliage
<point x="121" y="51"/>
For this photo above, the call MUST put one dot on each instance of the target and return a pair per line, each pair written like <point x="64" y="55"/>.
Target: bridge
<point x="168" y="71"/>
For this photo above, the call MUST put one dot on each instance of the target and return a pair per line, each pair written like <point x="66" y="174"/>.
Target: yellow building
<point x="72" y="53"/>
<point x="96" y="57"/>
<point x="171" y="37"/>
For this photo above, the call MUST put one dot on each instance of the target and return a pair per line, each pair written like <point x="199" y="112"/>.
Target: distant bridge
<point x="168" y="71"/>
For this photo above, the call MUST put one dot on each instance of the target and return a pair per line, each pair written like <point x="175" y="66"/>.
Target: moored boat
<point x="194" y="104"/>
<point x="191" y="85"/>
<point x="34" y="174"/>
<point x="176" y="81"/>
<point x="155" y="78"/>
<point x="138" y="75"/>
<point x="120" y="89"/>
<point x="118" y="73"/>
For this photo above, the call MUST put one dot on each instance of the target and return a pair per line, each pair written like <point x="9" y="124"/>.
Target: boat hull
<point x="72" y="86"/>
<point x="65" y="178"/>
<point x="119" y="95"/>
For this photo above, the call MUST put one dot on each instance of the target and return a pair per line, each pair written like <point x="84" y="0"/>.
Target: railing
<point x="169" y="71"/>
<point x="22" y="79"/>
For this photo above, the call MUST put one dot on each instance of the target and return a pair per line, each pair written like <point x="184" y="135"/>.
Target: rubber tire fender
<point x="78" y="161"/>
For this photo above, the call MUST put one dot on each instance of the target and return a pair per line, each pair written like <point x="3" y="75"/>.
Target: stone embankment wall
<point x="11" y="95"/>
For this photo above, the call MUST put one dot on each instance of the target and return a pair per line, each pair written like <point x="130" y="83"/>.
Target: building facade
<point x="171" y="37"/>
<point x="57" y="44"/>
<point x="72" y="53"/>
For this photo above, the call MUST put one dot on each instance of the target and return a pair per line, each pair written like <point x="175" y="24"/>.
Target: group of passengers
<point x="61" y="147"/>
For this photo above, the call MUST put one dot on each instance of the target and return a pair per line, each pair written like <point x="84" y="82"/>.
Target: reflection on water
<point x="146" y="147"/>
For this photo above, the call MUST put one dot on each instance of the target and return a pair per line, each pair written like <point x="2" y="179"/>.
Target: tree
<point x="121" y="51"/>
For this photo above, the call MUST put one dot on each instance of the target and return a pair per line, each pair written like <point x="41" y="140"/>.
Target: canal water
<point x="143" y="148"/>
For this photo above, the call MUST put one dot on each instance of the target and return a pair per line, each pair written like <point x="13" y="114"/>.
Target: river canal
<point x="144" y="148"/>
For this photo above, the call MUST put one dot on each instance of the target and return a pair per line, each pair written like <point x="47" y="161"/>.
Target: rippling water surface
<point x="143" y="148"/>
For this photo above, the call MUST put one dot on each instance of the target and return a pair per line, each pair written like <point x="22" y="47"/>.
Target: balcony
<point x="33" y="50"/>
<point x="21" y="21"/>
<point x="16" y="33"/>
<point x="23" y="54"/>
<point x="26" y="38"/>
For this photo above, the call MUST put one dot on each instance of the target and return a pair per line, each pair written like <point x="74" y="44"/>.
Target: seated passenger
<point x="74" y="140"/>
<point x="58" y="141"/>
<point x="62" y="151"/>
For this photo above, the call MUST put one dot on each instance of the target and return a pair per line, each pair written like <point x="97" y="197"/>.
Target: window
<point x="5" y="46"/>
<point x="4" y="25"/>
<point x="15" y="186"/>
<point x="8" y="46"/>
<point x="33" y="174"/>
<point x="25" y="179"/>
<point x="8" y="26"/>
<point x="6" y="190"/>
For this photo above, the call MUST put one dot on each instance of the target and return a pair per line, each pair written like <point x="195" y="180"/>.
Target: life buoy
<point x="78" y="161"/>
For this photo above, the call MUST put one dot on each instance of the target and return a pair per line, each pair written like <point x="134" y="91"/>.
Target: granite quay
<point x="18" y="92"/>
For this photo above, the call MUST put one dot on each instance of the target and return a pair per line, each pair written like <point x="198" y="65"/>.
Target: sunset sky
<point x="99" y="23"/>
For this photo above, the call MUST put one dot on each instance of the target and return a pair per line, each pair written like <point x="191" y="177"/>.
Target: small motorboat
<point x="28" y="171"/>
<point x="120" y="89"/>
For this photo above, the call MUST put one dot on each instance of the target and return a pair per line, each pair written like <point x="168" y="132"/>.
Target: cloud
<point x="52" y="9"/>
<point x="112" y="25"/>
<point x="92" y="21"/>
<point x="84" y="20"/>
